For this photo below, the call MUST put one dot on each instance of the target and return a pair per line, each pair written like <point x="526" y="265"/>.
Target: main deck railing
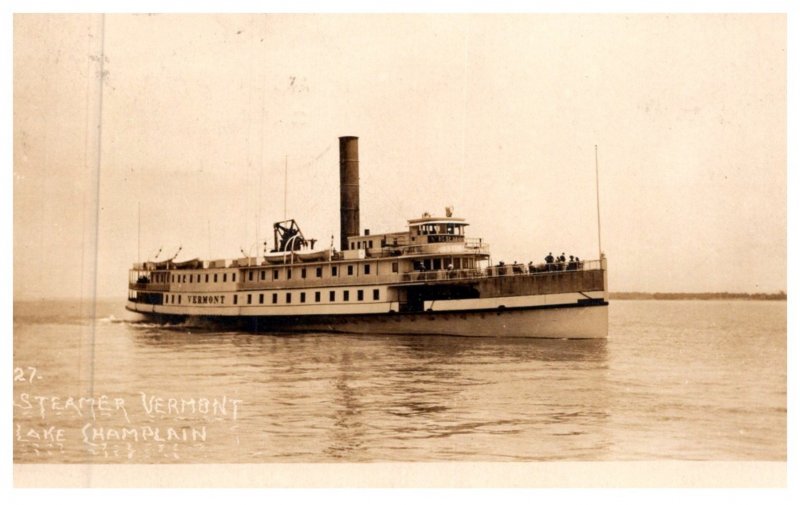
<point x="501" y="271"/>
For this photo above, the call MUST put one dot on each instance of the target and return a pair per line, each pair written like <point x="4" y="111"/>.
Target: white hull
<point x="571" y="321"/>
<point x="561" y="322"/>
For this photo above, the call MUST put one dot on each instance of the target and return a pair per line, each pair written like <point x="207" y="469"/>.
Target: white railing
<point x="446" y="247"/>
<point x="502" y="271"/>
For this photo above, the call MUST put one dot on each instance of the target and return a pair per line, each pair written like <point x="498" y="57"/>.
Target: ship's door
<point x="413" y="301"/>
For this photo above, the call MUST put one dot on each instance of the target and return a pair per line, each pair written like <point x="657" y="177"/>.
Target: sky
<point x="186" y="140"/>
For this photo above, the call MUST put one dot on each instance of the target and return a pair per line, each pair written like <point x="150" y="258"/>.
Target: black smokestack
<point x="348" y="188"/>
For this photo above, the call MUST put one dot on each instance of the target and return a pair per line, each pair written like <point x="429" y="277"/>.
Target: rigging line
<point x="260" y="143"/>
<point x="250" y="128"/>
<point x="263" y="114"/>
<point x="597" y="188"/>
<point x="464" y="98"/>
<point x="285" y="184"/>
<point x="312" y="205"/>
<point x="402" y="215"/>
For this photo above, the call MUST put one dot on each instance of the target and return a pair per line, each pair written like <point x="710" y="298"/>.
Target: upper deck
<point x="425" y="235"/>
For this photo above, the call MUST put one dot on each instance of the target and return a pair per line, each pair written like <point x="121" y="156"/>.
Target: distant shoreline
<point x="639" y="295"/>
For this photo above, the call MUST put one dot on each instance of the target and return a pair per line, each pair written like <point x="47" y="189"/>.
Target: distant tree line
<point x="639" y="295"/>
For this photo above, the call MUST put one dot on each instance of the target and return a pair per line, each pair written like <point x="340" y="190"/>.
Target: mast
<point x="285" y="184"/>
<point x="597" y="189"/>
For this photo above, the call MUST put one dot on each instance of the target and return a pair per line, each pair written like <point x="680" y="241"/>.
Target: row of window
<point x="367" y="244"/>
<point x="376" y="296"/>
<point x="190" y="278"/>
<point x="262" y="274"/>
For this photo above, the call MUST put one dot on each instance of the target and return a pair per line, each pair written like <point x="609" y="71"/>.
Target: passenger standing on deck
<point x="549" y="260"/>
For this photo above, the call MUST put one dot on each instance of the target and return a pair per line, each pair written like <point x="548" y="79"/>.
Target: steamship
<point x="429" y="279"/>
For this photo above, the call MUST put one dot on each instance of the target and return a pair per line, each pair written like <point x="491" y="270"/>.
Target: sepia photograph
<point x="400" y="250"/>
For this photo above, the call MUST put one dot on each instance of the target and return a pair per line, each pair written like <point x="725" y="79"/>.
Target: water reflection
<point x="347" y="433"/>
<point x="339" y="397"/>
<point x="516" y="349"/>
<point x="675" y="380"/>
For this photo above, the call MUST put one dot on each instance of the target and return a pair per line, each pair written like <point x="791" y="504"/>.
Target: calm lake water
<point x="675" y="380"/>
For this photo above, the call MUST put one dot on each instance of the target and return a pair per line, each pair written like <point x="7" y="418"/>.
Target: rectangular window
<point x="302" y="297"/>
<point x="215" y="277"/>
<point x="319" y="271"/>
<point x="317" y="296"/>
<point x="235" y="299"/>
<point x="395" y="267"/>
<point x="179" y="299"/>
<point x="346" y="295"/>
<point x="206" y="277"/>
<point x="360" y="295"/>
<point x="288" y="298"/>
<point x="303" y="273"/>
<point x="376" y="294"/>
<point x="173" y="278"/>
<point x="224" y="277"/>
<point x="288" y="273"/>
<point x="335" y="271"/>
<point x="249" y="299"/>
<point x="274" y="297"/>
<point x="366" y="269"/>
<point x="332" y="296"/>
<point x="370" y="244"/>
<point x="233" y="277"/>
<point x="275" y="275"/>
<point x="250" y="275"/>
<point x="349" y="269"/>
<point x="263" y="275"/>
<point x="261" y="298"/>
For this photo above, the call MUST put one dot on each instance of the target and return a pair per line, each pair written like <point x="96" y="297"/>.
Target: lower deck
<point x="532" y="303"/>
<point x="424" y="293"/>
<point x="576" y="320"/>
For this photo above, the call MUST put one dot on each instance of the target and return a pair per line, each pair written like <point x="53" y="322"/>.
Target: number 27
<point x="19" y="374"/>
